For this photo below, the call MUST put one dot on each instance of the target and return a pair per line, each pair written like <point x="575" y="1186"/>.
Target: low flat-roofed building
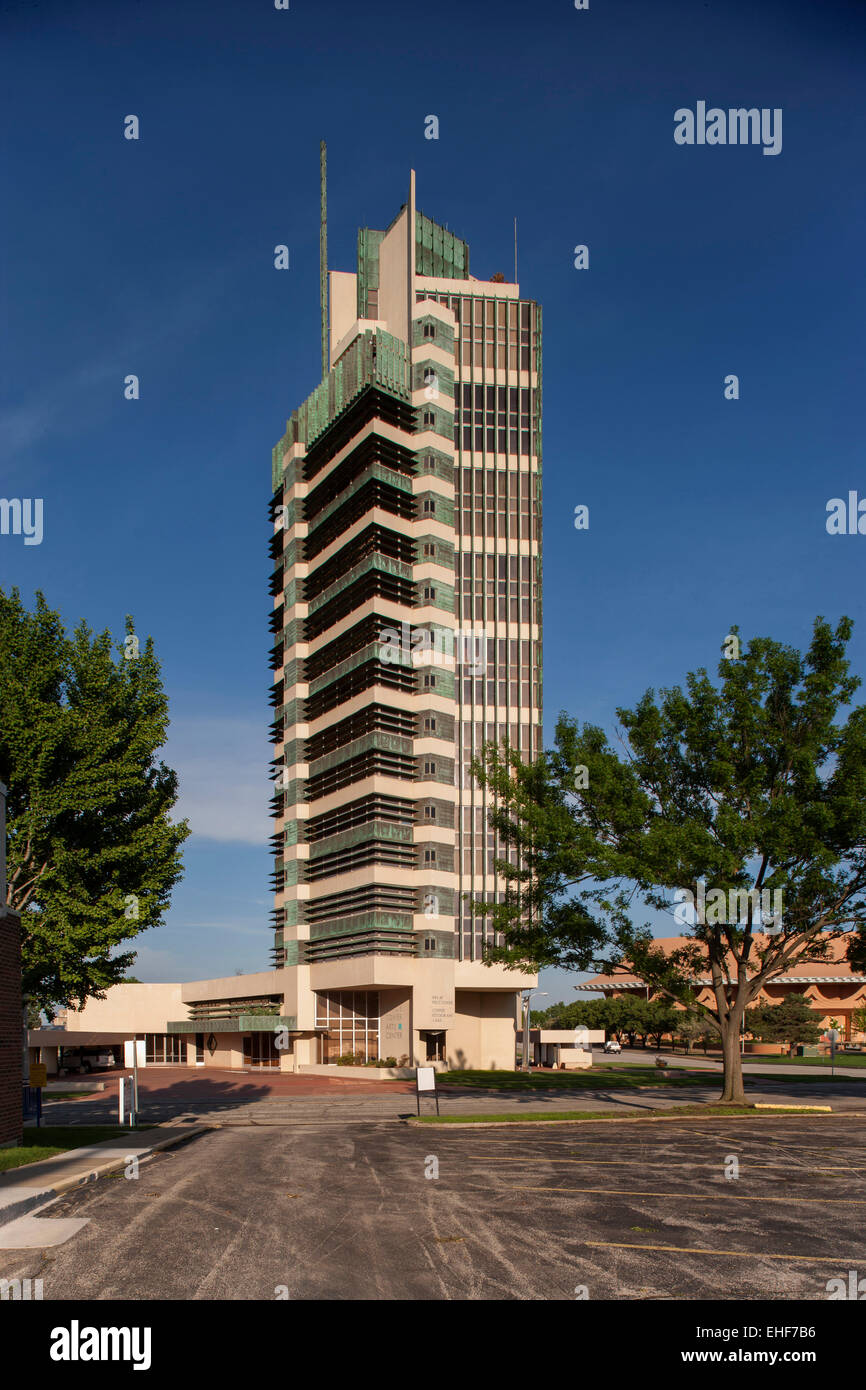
<point x="570" y="1048"/>
<point x="832" y="987"/>
<point x="371" y="1007"/>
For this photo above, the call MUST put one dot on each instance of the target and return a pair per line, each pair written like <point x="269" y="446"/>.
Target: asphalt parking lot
<point x="636" y="1210"/>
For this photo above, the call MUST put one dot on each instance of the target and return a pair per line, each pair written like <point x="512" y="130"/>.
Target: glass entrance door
<point x="260" y="1050"/>
<point x="435" y="1045"/>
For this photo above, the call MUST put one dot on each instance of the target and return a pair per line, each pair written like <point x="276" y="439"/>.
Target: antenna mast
<point x="323" y="253"/>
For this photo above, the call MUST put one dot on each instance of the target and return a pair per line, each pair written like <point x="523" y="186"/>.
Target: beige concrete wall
<point x="490" y="289"/>
<point x="575" y="1058"/>
<point x="565" y="1036"/>
<point x="48" y="1055"/>
<point x="483" y="1032"/>
<point x="342" y="306"/>
<point x="229" y="1054"/>
<point x="364" y="972"/>
<point x="395" y="1023"/>
<point x="433" y="996"/>
<point x="393" y="276"/>
<point x="306" y="1052"/>
<point x="234" y="986"/>
<point x="474" y="974"/>
<point x="129" y="1009"/>
<point x="463" y="1043"/>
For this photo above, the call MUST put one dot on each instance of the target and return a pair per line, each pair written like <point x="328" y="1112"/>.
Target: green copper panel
<point x="438" y="251"/>
<point x="369" y="242"/>
<point x="373" y="359"/>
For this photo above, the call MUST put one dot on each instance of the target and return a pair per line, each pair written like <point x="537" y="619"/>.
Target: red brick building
<point x="11" y="1036"/>
<point x="833" y="989"/>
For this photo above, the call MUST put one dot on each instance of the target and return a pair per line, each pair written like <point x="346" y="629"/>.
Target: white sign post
<point x="125" y="1101"/>
<point x="833" y="1037"/>
<point x="425" y="1084"/>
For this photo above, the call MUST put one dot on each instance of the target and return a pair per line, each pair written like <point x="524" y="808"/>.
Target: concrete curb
<point x="59" y="1086"/>
<point x="25" y="1203"/>
<point x="38" y="1197"/>
<point x="438" y="1122"/>
<point x="780" y="1105"/>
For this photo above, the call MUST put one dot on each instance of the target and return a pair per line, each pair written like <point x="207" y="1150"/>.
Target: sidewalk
<point x="752" y="1064"/>
<point x="25" y="1191"/>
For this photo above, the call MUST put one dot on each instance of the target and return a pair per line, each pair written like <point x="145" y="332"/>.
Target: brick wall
<point x="10" y="1030"/>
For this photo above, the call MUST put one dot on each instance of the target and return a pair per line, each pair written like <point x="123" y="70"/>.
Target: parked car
<point x="86" y="1059"/>
<point x="612" y="1045"/>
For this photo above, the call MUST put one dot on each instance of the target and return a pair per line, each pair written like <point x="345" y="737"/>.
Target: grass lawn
<point x="611" y="1078"/>
<point x="68" y="1095"/>
<point x="781" y="1079"/>
<point x="620" y="1078"/>
<point x="48" y="1140"/>
<point x="843" y="1059"/>
<point x="565" y="1115"/>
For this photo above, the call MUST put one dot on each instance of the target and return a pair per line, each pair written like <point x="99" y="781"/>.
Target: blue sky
<point x="155" y="257"/>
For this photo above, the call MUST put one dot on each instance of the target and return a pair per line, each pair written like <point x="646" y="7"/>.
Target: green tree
<point x="92" y="854"/>
<point x="621" y="1017"/>
<point x="643" y="1018"/>
<point x="750" y="783"/>
<point x="34" y="1014"/>
<point x="661" y="1018"/>
<point x="791" y="1021"/>
<point x="628" y="1015"/>
<point x="581" y="1013"/>
<point x="694" y="1028"/>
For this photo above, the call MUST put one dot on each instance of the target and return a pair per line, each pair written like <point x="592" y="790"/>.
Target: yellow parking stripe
<point x="532" y="1160"/>
<point x="741" y="1254"/>
<point x="693" y="1196"/>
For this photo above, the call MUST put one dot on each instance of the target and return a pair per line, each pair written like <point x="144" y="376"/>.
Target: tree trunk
<point x="733" y="1089"/>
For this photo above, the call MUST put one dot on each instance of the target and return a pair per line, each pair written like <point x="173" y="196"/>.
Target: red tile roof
<point x="802" y="972"/>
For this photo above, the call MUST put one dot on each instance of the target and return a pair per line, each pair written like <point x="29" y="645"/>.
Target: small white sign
<point x="833" y="1035"/>
<point x="426" y="1078"/>
<point x="130" y="1058"/>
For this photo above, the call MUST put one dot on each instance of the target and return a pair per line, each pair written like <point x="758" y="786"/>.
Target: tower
<point x="407" y="610"/>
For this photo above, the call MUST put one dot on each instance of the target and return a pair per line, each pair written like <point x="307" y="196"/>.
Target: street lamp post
<point x="134" y="1080"/>
<point x="526" y="998"/>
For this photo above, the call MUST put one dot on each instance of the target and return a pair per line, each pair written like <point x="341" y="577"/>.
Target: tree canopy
<point x="92" y="855"/>
<point x="729" y="789"/>
<point x="791" y="1021"/>
<point x="631" y="1017"/>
